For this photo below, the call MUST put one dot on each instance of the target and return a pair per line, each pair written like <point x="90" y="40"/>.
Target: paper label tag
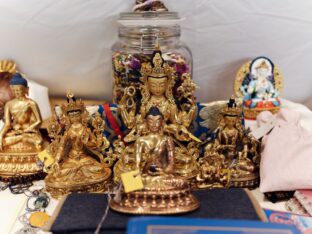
<point x="46" y="158"/>
<point x="264" y="129"/>
<point x="132" y="181"/>
<point x="38" y="219"/>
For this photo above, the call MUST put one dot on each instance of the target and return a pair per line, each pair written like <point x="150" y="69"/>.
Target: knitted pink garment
<point x="286" y="159"/>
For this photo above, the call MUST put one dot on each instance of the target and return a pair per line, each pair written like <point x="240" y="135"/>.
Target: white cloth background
<point x="66" y="44"/>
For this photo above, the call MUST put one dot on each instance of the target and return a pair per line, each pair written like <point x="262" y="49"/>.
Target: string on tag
<point x="98" y="228"/>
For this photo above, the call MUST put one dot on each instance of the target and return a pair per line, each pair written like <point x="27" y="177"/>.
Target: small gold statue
<point x="77" y="149"/>
<point x="20" y="139"/>
<point x="163" y="192"/>
<point x="232" y="159"/>
<point x="175" y="101"/>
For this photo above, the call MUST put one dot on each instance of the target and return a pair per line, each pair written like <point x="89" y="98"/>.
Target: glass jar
<point x="139" y="33"/>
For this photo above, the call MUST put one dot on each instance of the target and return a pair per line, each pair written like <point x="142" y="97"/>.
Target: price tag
<point x="46" y="158"/>
<point x="132" y="181"/>
<point x="38" y="219"/>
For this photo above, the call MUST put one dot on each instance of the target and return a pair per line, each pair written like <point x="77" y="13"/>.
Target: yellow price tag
<point x="132" y="181"/>
<point x="46" y="158"/>
<point x="38" y="219"/>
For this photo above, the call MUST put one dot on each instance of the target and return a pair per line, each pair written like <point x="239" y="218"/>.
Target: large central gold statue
<point x="20" y="139"/>
<point x="175" y="101"/>
<point x="77" y="149"/>
<point x="163" y="193"/>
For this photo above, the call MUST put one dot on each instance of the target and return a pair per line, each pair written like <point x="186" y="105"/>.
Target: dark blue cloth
<point x="81" y="213"/>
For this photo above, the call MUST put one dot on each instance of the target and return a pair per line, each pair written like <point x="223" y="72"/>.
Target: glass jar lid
<point x="150" y="18"/>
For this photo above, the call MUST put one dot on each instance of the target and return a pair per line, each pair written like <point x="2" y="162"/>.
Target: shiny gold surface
<point x="168" y="196"/>
<point x="157" y="90"/>
<point x="77" y="147"/>
<point x="8" y="66"/>
<point x="232" y="158"/>
<point x="163" y="193"/>
<point x="20" y="139"/>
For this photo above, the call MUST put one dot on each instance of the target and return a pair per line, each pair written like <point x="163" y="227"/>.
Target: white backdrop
<point x="66" y="44"/>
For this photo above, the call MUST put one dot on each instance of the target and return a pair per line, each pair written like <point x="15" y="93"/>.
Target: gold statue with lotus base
<point x="175" y="101"/>
<point x="163" y="193"/>
<point x="77" y="148"/>
<point x="232" y="158"/>
<point x="20" y="139"/>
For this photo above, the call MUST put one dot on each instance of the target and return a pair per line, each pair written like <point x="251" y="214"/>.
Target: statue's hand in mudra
<point x="29" y="129"/>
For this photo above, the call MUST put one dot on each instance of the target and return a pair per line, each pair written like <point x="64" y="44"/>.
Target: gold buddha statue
<point x="175" y="101"/>
<point x="20" y="139"/>
<point x="232" y="158"/>
<point x="163" y="192"/>
<point x="77" y="149"/>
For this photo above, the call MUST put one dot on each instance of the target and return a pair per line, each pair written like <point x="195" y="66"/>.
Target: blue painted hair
<point x="17" y="79"/>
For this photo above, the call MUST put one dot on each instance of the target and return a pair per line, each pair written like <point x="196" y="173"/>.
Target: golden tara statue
<point x="77" y="148"/>
<point x="175" y="101"/>
<point x="163" y="192"/>
<point x="232" y="158"/>
<point x="20" y="139"/>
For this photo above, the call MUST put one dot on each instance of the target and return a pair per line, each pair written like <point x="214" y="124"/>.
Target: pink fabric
<point x="286" y="159"/>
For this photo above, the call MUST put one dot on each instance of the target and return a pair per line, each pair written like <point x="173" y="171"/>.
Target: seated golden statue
<point x="163" y="192"/>
<point x="20" y="139"/>
<point x="236" y="152"/>
<point x="79" y="165"/>
<point x="177" y="105"/>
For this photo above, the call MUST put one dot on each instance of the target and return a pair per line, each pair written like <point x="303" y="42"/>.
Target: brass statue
<point x="175" y="101"/>
<point x="20" y="139"/>
<point x="232" y="158"/>
<point x="77" y="148"/>
<point x="163" y="192"/>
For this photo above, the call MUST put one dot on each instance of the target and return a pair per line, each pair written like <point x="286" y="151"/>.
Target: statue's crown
<point x="157" y="67"/>
<point x="262" y="65"/>
<point x="232" y="109"/>
<point x="73" y="104"/>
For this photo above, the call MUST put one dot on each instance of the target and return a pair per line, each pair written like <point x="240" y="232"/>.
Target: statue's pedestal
<point x="58" y="187"/>
<point x="169" y="195"/>
<point x="20" y="167"/>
